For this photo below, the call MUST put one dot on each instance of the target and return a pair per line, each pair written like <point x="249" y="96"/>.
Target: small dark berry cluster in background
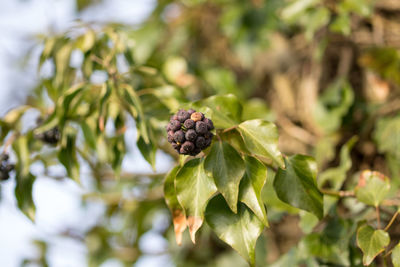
<point x="189" y="132"/>
<point x="5" y="167"/>
<point x="51" y="136"/>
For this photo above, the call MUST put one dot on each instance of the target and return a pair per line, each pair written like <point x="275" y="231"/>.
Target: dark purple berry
<point x="175" y="125"/>
<point x="4" y="175"/>
<point x="4" y="157"/>
<point x="195" y="151"/>
<point x="201" y="142"/>
<point x="174" y="118"/>
<point x="201" y="127"/>
<point x="183" y="115"/>
<point x="187" y="147"/>
<point x="189" y="124"/>
<point x="170" y="136"/>
<point x="209" y="123"/>
<point x="10" y="167"/>
<point x="191" y="111"/>
<point x="208" y="141"/>
<point x="179" y="136"/>
<point x="176" y="146"/>
<point x="191" y="135"/>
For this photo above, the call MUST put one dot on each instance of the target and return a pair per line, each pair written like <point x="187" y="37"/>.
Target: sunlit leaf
<point x="396" y="255"/>
<point x="261" y="138"/>
<point x="226" y="110"/>
<point x="251" y="186"/>
<point x="68" y="157"/>
<point x="193" y="189"/>
<point x="178" y="214"/>
<point x="372" y="188"/>
<point x="226" y="166"/>
<point x="372" y="242"/>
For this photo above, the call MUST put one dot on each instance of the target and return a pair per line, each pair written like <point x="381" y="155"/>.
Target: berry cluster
<point x="189" y="132"/>
<point x="5" y="167"/>
<point x="51" y="136"/>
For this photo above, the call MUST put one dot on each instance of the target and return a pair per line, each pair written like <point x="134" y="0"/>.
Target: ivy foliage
<point x="246" y="184"/>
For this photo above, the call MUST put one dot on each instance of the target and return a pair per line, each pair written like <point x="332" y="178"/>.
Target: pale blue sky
<point x="58" y="203"/>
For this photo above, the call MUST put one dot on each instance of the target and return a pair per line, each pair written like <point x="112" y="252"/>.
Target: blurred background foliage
<point x="326" y="72"/>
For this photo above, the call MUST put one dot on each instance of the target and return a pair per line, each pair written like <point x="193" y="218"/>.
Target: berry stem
<point x="391" y="221"/>
<point x="230" y="129"/>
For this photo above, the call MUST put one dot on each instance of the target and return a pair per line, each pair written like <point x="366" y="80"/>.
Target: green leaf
<point x="23" y="194"/>
<point x="251" y="186"/>
<point x="307" y="222"/>
<point x="296" y="9"/>
<point x="372" y="188"/>
<point x="67" y="156"/>
<point x="396" y="256"/>
<point x="178" y="214"/>
<point x="234" y="138"/>
<point x="145" y="39"/>
<point x="88" y="129"/>
<point x="331" y="244"/>
<point x="387" y="134"/>
<point x="15" y="114"/>
<point x="24" y="179"/>
<point x="148" y="151"/>
<point x="333" y="105"/>
<point x="222" y="81"/>
<point x="239" y="230"/>
<point x="193" y="189"/>
<point x="62" y="59"/>
<point x="86" y="41"/>
<point x="256" y="108"/>
<point x="336" y="176"/>
<point x="341" y="24"/>
<point x="226" y="166"/>
<point x="136" y="110"/>
<point x="226" y="110"/>
<point x="371" y="242"/>
<point x="261" y="138"/>
<point x="296" y="185"/>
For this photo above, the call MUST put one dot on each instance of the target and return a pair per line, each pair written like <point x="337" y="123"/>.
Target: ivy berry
<point x="189" y="132"/>
<point x="5" y="167"/>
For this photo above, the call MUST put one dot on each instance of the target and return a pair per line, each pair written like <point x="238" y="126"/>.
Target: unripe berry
<point x="197" y="116"/>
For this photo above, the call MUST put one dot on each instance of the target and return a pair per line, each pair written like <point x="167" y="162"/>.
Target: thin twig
<point x="391" y="221"/>
<point x="378" y="216"/>
<point x="230" y="129"/>
<point x="338" y="193"/>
